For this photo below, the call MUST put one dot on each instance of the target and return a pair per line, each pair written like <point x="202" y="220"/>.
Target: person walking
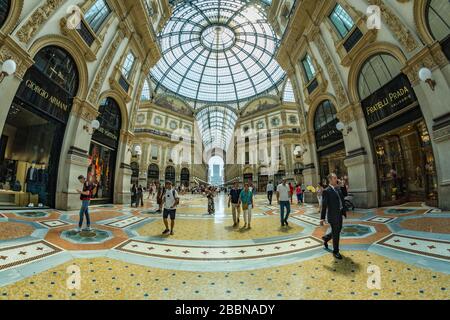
<point x="299" y="193"/>
<point x="246" y="200"/>
<point x="160" y="196"/>
<point x="85" y="197"/>
<point x="283" y="200"/>
<point x="134" y="191"/>
<point x="140" y="196"/>
<point x="233" y="200"/>
<point x="319" y="191"/>
<point x="333" y="207"/>
<point x="170" y="202"/>
<point x="291" y="191"/>
<point x="210" y="195"/>
<point x="269" y="190"/>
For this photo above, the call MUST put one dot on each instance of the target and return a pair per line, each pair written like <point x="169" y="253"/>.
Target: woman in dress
<point x="210" y="196"/>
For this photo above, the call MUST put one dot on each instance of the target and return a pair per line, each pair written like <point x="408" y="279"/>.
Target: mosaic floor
<point x="389" y="253"/>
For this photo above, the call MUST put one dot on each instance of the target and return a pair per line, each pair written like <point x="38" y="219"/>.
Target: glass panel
<point x="127" y="66"/>
<point x="439" y="18"/>
<point x="97" y="14"/>
<point x="213" y="45"/>
<point x="308" y="66"/>
<point x="341" y="20"/>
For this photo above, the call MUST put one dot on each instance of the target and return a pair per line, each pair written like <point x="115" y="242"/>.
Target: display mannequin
<point x="32" y="178"/>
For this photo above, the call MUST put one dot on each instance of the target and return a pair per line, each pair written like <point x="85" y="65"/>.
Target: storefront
<point x="248" y="177"/>
<point x="184" y="177"/>
<point x="401" y="143"/>
<point x="329" y="142"/>
<point x="32" y="137"/>
<point x="279" y="176"/>
<point x="170" y="174"/>
<point x="103" y="151"/>
<point x="152" y="174"/>
<point x="263" y="179"/>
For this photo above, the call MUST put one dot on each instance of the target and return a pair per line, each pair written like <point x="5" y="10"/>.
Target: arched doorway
<point x="247" y="175"/>
<point x="135" y="172"/>
<point x="279" y="176"/>
<point x="170" y="174"/>
<point x="103" y="151"/>
<point x="152" y="174"/>
<point x="5" y="5"/>
<point x="401" y="143"/>
<point x="329" y="141"/>
<point x="184" y="177"/>
<point x="32" y="137"/>
<point x="263" y="179"/>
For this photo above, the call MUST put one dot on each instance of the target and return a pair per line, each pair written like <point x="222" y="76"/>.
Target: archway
<point x="34" y="130"/>
<point x="170" y="174"/>
<point x="103" y="151"/>
<point x="152" y="174"/>
<point x="185" y="177"/>
<point x="216" y="170"/>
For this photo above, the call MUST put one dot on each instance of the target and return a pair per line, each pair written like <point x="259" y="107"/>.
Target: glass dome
<point x="218" y="51"/>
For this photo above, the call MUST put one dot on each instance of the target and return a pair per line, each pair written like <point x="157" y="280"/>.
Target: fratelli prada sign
<point x="40" y="92"/>
<point x="391" y="98"/>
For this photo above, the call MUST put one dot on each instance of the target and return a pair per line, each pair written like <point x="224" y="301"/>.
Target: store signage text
<point x="44" y="94"/>
<point x="388" y="100"/>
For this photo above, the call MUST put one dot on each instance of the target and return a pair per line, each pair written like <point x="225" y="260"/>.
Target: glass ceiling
<point x="218" y="51"/>
<point x="216" y="125"/>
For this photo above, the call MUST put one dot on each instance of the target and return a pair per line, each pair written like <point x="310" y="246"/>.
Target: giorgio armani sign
<point x="390" y="99"/>
<point x="42" y="93"/>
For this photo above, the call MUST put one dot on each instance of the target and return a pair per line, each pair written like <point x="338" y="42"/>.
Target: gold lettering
<point x="44" y="94"/>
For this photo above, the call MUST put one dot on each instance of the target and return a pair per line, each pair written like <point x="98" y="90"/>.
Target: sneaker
<point x="88" y="229"/>
<point x="287" y="224"/>
<point x="248" y="227"/>
<point x="171" y="233"/>
<point x="166" y="231"/>
<point x="337" y="255"/>
<point x="325" y="243"/>
<point x="78" y="230"/>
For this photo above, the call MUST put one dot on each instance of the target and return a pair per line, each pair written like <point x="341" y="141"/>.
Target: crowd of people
<point x="330" y="195"/>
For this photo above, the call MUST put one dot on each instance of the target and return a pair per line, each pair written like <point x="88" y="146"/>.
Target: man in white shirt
<point x="283" y="200"/>
<point x="269" y="190"/>
<point x="170" y="202"/>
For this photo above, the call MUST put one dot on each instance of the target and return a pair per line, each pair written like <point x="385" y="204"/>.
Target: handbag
<point x="245" y="206"/>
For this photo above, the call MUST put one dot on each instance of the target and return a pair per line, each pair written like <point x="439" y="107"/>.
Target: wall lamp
<point x="426" y="76"/>
<point x="95" y="124"/>
<point x="300" y="151"/>
<point x="345" y="130"/>
<point x="136" y="151"/>
<point x="8" y="69"/>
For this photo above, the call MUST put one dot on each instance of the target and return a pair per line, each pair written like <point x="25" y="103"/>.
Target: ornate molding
<point x="399" y="30"/>
<point x="11" y="50"/>
<point x="102" y="71"/>
<point x="336" y="82"/>
<point x="37" y="19"/>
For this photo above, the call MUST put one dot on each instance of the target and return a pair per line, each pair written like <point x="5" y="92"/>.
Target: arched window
<point x="438" y="13"/>
<point x="145" y="95"/>
<point x="153" y="173"/>
<point x="110" y="119"/>
<point x="288" y="95"/>
<point x="325" y="121"/>
<point x="308" y="67"/>
<point x="97" y="14"/>
<point x="4" y="10"/>
<point x="376" y="72"/>
<point x="59" y="66"/>
<point x="184" y="177"/>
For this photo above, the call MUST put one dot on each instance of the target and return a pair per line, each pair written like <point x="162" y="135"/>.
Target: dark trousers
<point x="336" y="227"/>
<point x="269" y="196"/>
<point x="140" y="199"/>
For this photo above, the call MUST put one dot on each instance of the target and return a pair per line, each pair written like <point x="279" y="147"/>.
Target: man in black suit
<point x="333" y="206"/>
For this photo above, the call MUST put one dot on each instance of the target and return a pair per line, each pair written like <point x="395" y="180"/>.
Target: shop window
<point x="325" y="121"/>
<point x="103" y="151"/>
<point x="308" y="68"/>
<point x="341" y="20"/>
<point x="97" y="14"/>
<point x="170" y="174"/>
<point x="32" y="137"/>
<point x="128" y="64"/>
<point x="376" y="72"/>
<point x="4" y="10"/>
<point x="184" y="177"/>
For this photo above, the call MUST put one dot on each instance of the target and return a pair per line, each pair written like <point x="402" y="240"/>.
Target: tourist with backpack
<point x="85" y="197"/>
<point x="170" y="201"/>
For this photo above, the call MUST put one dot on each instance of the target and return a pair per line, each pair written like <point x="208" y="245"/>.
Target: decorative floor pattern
<point x="125" y="256"/>
<point x="208" y="253"/>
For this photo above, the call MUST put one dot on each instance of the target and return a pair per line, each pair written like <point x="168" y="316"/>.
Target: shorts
<point x="169" y="212"/>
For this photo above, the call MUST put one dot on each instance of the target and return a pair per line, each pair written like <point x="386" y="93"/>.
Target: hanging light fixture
<point x="9" y="67"/>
